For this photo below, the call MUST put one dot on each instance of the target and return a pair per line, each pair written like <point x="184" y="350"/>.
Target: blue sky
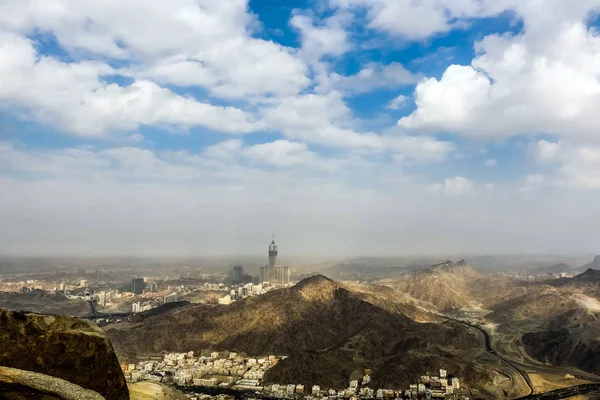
<point x="350" y="127"/>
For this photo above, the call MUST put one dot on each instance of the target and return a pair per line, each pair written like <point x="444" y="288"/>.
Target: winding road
<point x="490" y="349"/>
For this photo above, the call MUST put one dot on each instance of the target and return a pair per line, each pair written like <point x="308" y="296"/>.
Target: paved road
<point x="554" y="394"/>
<point x="490" y="349"/>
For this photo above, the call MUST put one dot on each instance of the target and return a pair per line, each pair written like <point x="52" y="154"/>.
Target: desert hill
<point x="328" y="332"/>
<point x="552" y="269"/>
<point x="570" y="339"/>
<point x="43" y="302"/>
<point x="445" y="285"/>
<point x="594" y="265"/>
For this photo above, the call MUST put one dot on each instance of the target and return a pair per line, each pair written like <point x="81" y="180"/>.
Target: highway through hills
<point x="554" y="394"/>
<point x="490" y="349"/>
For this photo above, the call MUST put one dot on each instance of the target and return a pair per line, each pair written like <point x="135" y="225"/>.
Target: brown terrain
<point x="553" y="322"/>
<point x="329" y="333"/>
<point x="43" y="302"/>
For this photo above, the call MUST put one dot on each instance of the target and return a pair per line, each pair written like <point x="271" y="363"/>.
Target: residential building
<point x="138" y="285"/>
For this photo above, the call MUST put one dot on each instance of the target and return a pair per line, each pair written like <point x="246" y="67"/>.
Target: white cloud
<point x="135" y="138"/>
<point x="491" y="162"/>
<point x="74" y="97"/>
<point x="419" y="148"/>
<point x="327" y="38"/>
<point x="326" y="120"/>
<point x="417" y="20"/>
<point x="283" y="153"/>
<point x="224" y="150"/>
<point x="576" y="164"/>
<point x="544" y="80"/>
<point x="373" y="77"/>
<point x="398" y="102"/>
<point x="318" y="118"/>
<point x="454" y="186"/>
<point x="182" y="42"/>
<point x="547" y="151"/>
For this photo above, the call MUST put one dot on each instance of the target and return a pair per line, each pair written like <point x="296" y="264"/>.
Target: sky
<point x="345" y="127"/>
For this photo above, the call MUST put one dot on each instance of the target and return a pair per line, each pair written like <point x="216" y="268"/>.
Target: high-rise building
<point x="267" y="273"/>
<point x="138" y="285"/>
<point x="262" y="276"/>
<point x="83" y="283"/>
<point x="238" y="274"/>
<point x="282" y="275"/>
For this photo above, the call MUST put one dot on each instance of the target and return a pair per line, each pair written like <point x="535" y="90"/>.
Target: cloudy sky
<point x="347" y="127"/>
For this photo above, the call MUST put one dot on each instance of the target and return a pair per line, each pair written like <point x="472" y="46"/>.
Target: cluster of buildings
<point x="217" y="370"/>
<point x="141" y="306"/>
<point x="528" y="276"/>
<point x="229" y="370"/>
<point x="241" y="292"/>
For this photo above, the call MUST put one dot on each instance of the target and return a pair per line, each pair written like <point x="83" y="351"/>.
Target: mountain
<point x="43" y="302"/>
<point x="444" y="285"/>
<point x="329" y="333"/>
<point x="594" y="264"/>
<point x="570" y="339"/>
<point x="551" y="269"/>
<point x="68" y="348"/>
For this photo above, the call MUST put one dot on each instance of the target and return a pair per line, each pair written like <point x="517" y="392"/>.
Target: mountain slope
<point x="328" y="332"/>
<point x="444" y="285"/>
<point x="594" y="264"/>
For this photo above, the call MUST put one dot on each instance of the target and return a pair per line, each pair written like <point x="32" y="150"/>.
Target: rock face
<point x="62" y="347"/>
<point x="562" y="347"/>
<point x="571" y="339"/>
<point x="329" y="333"/>
<point x="16" y="384"/>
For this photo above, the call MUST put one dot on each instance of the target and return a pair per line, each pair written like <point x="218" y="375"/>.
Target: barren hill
<point x="328" y="332"/>
<point x="445" y="285"/>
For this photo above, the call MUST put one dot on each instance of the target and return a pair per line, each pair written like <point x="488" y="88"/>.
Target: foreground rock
<point x="17" y="384"/>
<point x="62" y="347"/>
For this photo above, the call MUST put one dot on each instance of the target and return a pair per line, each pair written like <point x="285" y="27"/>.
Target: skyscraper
<point x="237" y="275"/>
<point x="267" y="273"/>
<point x="282" y="275"/>
<point x="138" y="285"/>
<point x="272" y="257"/>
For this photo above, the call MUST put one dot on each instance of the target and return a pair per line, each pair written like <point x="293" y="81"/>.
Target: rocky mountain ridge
<point x="329" y="333"/>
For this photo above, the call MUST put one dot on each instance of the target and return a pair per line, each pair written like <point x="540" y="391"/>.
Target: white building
<point x="455" y="383"/>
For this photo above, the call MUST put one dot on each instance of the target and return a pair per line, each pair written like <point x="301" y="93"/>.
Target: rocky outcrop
<point x="16" y="384"/>
<point x="564" y="348"/>
<point x="61" y="347"/>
